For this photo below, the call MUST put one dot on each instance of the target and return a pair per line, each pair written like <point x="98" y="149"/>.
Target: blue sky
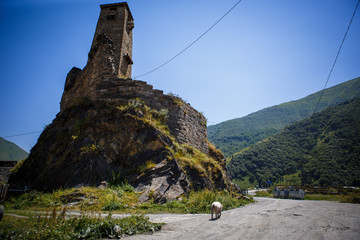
<point x="263" y="53"/>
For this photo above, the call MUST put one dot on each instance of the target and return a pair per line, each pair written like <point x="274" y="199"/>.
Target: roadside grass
<point x="345" y="198"/>
<point x="322" y="197"/>
<point x="119" y="199"/>
<point x="82" y="199"/>
<point x="263" y="194"/>
<point x="198" y="202"/>
<point x="83" y="227"/>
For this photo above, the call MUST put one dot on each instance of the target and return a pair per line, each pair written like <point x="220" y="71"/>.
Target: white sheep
<point x="217" y="207"/>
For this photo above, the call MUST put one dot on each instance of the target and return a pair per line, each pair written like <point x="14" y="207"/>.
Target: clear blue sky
<point x="263" y="53"/>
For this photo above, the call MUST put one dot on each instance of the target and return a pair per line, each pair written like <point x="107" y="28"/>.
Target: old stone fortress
<point x="107" y="73"/>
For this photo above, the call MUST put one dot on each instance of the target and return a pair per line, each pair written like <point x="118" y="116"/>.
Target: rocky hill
<point x="234" y="135"/>
<point x="93" y="142"/>
<point x="323" y="149"/>
<point x="112" y="128"/>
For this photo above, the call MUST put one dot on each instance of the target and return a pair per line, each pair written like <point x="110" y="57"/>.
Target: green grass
<point x="120" y="199"/>
<point x="198" y="202"/>
<point x="322" y="197"/>
<point x="94" y="199"/>
<point x="263" y="194"/>
<point x="84" y="227"/>
<point x="346" y="198"/>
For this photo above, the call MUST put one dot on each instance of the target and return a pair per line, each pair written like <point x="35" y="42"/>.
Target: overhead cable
<point x="337" y="55"/>
<point x="186" y="48"/>
<point x="22" y="134"/>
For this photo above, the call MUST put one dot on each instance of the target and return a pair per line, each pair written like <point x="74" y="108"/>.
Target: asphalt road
<point x="268" y="218"/>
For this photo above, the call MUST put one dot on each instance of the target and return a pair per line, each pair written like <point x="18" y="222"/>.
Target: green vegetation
<point x="190" y="157"/>
<point x="88" y="198"/>
<point x="198" y="202"/>
<point x="17" y="166"/>
<point x="58" y="225"/>
<point x="263" y="194"/>
<point x="83" y="227"/>
<point x="121" y="199"/>
<point x="322" y="197"/>
<point x="234" y="135"/>
<point x="10" y="151"/>
<point x="142" y="112"/>
<point x="321" y="150"/>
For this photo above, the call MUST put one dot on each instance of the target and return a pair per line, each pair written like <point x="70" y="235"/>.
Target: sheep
<point x="217" y="207"/>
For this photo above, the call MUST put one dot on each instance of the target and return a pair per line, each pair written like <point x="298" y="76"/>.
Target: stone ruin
<point x="91" y="139"/>
<point x="107" y="77"/>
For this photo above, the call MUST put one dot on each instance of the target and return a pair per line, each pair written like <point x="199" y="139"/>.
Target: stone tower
<point x="110" y="55"/>
<point x="115" y="24"/>
<point x="106" y="78"/>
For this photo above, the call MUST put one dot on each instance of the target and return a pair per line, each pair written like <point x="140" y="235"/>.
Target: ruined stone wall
<point x="5" y="167"/>
<point x="185" y="123"/>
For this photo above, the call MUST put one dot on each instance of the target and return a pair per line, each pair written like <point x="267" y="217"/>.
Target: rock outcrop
<point x="92" y="142"/>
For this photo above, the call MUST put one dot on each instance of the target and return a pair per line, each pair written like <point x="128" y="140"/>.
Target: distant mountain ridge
<point x="323" y="149"/>
<point x="234" y="135"/>
<point x="11" y="152"/>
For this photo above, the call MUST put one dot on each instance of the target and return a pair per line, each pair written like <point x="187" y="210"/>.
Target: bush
<point x="351" y="198"/>
<point x="263" y="194"/>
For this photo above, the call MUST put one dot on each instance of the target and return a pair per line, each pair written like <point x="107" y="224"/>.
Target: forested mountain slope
<point x="323" y="149"/>
<point x="236" y="134"/>
<point x="10" y="151"/>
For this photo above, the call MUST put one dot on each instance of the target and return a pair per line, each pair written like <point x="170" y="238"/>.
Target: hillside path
<point x="268" y="218"/>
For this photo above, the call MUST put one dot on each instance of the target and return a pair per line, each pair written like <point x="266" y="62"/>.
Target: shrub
<point x="351" y="198"/>
<point x="17" y="166"/>
<point x="263" y="194"/>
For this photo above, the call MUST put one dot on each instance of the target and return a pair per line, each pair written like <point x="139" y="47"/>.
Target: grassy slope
<point x="10" y="151"/>
<point x="324" y="149"/>
<point x="236" y="134"/>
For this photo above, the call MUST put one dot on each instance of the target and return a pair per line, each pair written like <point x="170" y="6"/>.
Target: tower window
<point x="110" y="17"/>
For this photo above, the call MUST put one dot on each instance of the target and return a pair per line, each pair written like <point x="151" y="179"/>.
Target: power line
<point x="186" y="48"/>
<point x="21" y="134"/>
<point x="337" y="55"/>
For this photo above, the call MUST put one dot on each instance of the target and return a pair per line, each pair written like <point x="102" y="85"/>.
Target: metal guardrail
<point x="285" y="193"/>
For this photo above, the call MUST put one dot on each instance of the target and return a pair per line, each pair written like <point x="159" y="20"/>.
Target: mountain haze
<point x="10" y="151"/>
<point x="234" y="135"/>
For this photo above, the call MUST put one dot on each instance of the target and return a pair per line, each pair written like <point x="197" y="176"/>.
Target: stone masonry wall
<point x="185" y="123"/>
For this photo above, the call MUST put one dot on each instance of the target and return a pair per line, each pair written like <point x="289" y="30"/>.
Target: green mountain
<point x="323" y="149"/>
<point x="10" y="151"/>
<point x="236" y="134"/>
